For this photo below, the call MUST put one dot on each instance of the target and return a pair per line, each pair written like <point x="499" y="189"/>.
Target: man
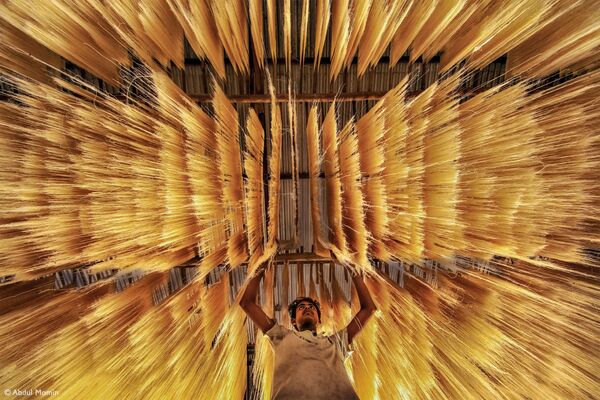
<point x="308" y="365"/>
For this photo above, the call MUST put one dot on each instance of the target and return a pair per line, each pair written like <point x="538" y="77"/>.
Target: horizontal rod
<point x="299" y="98"/>
<point x="311" y="60"/>
<point x="279" y="257"/>
<point x="300" y="257"/>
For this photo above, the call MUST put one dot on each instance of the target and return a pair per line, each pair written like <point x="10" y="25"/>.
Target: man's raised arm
<point x="367" y="307"/>
<point x="248" y="303"/>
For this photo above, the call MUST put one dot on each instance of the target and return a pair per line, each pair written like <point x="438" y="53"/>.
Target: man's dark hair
<point x="294" y="304"/>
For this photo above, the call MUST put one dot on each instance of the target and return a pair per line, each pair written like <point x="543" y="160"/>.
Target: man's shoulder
<point x="277" y="332"/>
<point x="340" y="339"/>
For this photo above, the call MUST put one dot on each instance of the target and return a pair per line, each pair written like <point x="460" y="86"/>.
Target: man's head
<point x="305" y="313"/>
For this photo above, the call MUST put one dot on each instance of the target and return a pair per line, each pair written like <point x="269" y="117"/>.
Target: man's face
<point x="306" y="315"/>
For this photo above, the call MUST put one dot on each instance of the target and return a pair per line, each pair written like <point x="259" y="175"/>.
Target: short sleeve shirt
<point x="309" y="366"/>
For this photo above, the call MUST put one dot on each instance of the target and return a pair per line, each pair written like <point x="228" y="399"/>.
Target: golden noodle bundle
<point x="134" y="215"/>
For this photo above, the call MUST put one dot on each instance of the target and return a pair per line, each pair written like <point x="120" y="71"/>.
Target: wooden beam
<point x="300" y="257"/>
<point x="300" y="98"/>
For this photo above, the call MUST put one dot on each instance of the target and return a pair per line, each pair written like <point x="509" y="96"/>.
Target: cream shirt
<point x="309" y="367"/>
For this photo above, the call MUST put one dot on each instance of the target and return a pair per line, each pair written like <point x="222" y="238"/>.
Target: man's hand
<point x="262" y="261"/>
<point x="270" y="250"/>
